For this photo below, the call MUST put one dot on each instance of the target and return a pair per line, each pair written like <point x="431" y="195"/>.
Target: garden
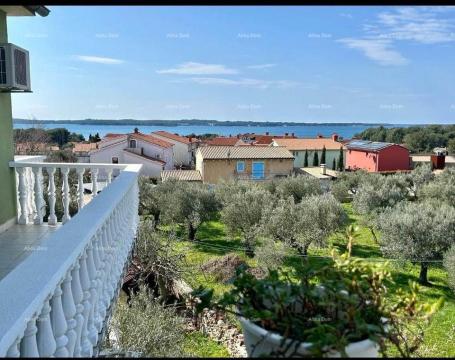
<point x="287" y="268"/>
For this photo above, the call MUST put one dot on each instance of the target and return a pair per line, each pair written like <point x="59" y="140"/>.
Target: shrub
<point x="298" y="187"/>
<point x="148" y="327"/>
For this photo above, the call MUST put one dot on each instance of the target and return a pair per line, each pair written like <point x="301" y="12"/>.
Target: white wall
<point x="165" y="154"/>
<point x="182" y="152"/>
<point x="149" y="168"/>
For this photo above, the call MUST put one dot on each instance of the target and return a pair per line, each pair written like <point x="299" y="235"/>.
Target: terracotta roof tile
<point x="175" y="137"/>
<point x="184" y="175"/>
<point x="224" y="141"/>
<point x="244" y="152"/>
<point x="310" y="144"/>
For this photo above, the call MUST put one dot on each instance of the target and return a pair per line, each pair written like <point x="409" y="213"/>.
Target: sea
<point x="301" y="130"/>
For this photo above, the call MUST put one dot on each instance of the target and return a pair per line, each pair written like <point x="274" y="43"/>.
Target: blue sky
<point x="302" y="64"/>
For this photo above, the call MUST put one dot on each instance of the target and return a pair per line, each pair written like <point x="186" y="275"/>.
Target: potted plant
<point x="334" y="310"/>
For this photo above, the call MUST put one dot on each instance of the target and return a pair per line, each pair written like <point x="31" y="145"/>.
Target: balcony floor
<point x="18" y="242"/>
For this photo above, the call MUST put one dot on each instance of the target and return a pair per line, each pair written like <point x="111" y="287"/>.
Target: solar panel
<point x="367" y="145"/>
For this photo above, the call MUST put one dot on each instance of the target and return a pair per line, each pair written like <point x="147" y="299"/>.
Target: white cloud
<point x="99" y="59"/>
<point x="261" y="66"/>
<point x="414" y="24"/>
<point x="246" y="82"/>
<point x="194" y="68"/>
<point x="346" y="15"/>
<point x="422" y="25"/>
<point x="379" y="50"/>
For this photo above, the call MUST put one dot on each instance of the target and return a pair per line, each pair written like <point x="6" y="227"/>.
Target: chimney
<point x="266" y="132"/>
<point x="335" y="137"/>
<point x="323" y="172"/>
<point x="292" y="135"/>
<point x="286" y="134"/>
<point x="136" y="130"/>
<point x="320" y="136"/>
<point x="238" y="136"/>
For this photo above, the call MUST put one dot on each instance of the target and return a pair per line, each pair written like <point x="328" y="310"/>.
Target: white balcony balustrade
<point x="31" y="187"/>
<point x="56" y="301"/>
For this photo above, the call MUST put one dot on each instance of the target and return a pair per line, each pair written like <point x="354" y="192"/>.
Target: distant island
<point x="185" y="122"/>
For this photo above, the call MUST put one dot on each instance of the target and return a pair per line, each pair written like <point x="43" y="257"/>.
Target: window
<point x="133" y="144"/>
<point x="258" y="172"/>
<point x="115" y="160"/>
<point x="240" y="166"/>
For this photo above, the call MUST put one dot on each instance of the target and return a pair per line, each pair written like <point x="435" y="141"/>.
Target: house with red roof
<point x="310" y="146"/>
<point x="184" y="147"/>
<point x="152" y="152"/>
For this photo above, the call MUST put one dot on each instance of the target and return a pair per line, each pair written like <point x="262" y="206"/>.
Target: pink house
<point x="375" y="156"/>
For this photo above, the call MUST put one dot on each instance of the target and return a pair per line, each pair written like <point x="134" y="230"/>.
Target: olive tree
<point x="190" y="204"/>
<point x="441" y="189"/>
<point x="347" y="184"/>
<point x="309" y="222"/>
<point x="417" y="179"/>
<point x="375" y="195"/>
<point x="160" y="264"/>
<point x="242" y="212"/>
<point x="298" y="187"/>
<point x="449" y="264"/>
<point x="145" y="326"/>
<point x="418" y="232"/>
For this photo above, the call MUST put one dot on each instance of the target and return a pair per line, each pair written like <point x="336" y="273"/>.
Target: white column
<point x="52" y="219"/>
<point x="94" y="172"/>
<point x="69" y="309"/>
<point x="78" y="296"/>
<point x="80" y="187"/>
<point x="22" y="197"/>
<point x="29" y="183"/>
<point x="86" y="345"/>
<point x="58" y="322"/>
<point x="109" y="175"/>
<point x="38" y="194"/>
<point x="29" y="346"/>
<point x="65" y="195"/>
<point x="92" y="330"/>
<point x="45" y="336"/>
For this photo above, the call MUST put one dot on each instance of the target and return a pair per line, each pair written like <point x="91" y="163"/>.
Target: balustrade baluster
<point x="109" y="175"/>
<point x="52" y="219"/>
<point x="29" y="345"/>
<point x="58" y="322"/>
<point x="80" y="188"/>
<point x="23" y="217"/>
<point x="38" y="192"/>
<point x="92" y="331"/>
<point x="78" y="296"/>
<point x="104" y="303"/>
<point x="13" y="350"/>
<point x="69" y="309"/>
<point x="86" y="345"/>
<point x="65" y="195"/>
<point x="29" y="183"/>
<point x="99" y="265"/>
<point x="45" y="336"/>
<point x="94" y="173"/>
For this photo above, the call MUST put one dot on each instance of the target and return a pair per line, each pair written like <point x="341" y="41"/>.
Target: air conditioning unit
<point x="14" y="69"/>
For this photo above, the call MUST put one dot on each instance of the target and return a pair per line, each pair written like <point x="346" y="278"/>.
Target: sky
<point x="270" y="63"/>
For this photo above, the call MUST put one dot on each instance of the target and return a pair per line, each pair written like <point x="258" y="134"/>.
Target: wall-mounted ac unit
<point x="14" y="68"/>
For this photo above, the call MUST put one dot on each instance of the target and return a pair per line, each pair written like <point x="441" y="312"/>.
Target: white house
<point x="135" y="148"/>
<point x="299" y="146"/>
<point x="184" y="147"/>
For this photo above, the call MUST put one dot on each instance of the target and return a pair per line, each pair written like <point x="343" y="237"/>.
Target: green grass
<point x="214" y="242"/>
<point x="199" y="345"/>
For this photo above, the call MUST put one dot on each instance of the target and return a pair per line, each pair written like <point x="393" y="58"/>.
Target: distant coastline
<point x="187" y="122"/>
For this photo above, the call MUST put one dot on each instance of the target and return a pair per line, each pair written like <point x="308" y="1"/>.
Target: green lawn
<point x="213" y="242"/>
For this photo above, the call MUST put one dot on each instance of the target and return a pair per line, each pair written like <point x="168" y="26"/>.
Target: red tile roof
<point x="151" y="139"/>
<point x="175" y="137"/>
<point x="83" y="147"/>
<point x="308" y="144"/>
<point x="224" y="141"/>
